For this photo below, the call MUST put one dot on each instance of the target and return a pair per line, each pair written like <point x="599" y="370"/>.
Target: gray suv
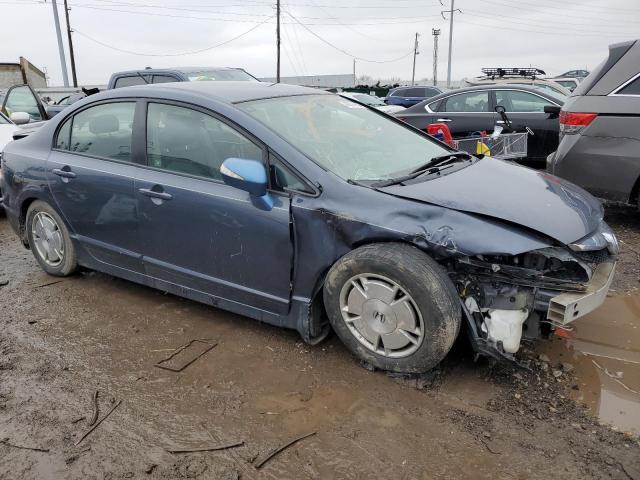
<point x="600" y="129"/>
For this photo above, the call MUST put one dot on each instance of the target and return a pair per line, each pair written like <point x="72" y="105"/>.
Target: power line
<point x="172" y="54"/>
<point x="557" y="33"/>
<point x="344" y="51"/>
<point x="564" y="25"/>
<point x="564" y="11"/>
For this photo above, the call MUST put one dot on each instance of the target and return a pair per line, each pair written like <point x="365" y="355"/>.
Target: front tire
<point x="393" y="307"/>
<point x="49" y="240"/>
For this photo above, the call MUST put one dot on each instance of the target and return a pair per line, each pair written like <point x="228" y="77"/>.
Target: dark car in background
<point x="600" y="129"/>
<point x="574" y="74"/>
<point x="306" y="210"/>
<point x="409" y="96"/>
<point x="184" y="74"/>
<point x="473" y="109"/>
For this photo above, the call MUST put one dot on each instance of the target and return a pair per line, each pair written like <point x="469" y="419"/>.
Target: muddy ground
<point x="60" y="341"/>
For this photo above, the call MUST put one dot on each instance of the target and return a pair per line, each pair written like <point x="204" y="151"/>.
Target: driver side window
<point x="187" y="141"/>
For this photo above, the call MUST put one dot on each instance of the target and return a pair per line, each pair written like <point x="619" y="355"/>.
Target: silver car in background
<point x="600" y="129"/>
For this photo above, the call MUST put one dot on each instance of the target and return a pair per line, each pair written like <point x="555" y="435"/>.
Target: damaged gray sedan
<point x="309" y="211"/>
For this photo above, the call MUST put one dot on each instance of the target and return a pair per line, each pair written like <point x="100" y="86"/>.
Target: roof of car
<point x="173" y="69"/>
<point x="227" y="92"/>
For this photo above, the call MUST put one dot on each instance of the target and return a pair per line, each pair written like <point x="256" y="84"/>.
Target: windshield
<point x="221" y="75"/>
<point x="3" y="119"/>
<point x="345" y="138"/>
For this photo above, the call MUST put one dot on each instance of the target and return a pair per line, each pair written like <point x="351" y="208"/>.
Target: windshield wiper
<point x="444" y="159"/>
<point x="435" y="162"/>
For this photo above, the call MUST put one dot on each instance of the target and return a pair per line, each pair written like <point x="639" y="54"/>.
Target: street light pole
<point x="436" y="33"/>
<point x="278" y="42"/>
<point x="63" y="61"/>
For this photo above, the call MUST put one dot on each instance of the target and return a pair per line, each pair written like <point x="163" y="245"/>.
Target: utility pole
<point x="451" y="12"/>
<point x="415" y="52"/>
<point x="354" y="73"/>
<point x="278" y="41"/>
<point x="73" y="59"/>
<point x="63" y="61"/>
<point x="436" y="33"/>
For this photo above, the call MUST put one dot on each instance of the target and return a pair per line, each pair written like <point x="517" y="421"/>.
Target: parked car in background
<point x="7" y="129"/>
<point x="574" y="74"/>
<point x="472" y="109"/>
<point x="292" y="205"/>
<point x="518" y="76"/>
<point x="600" y="129"/>
<point x="185" y="74"/>
<point x="567" y="82"/>
<point x="409" y="96"/>
<point x="372" y="101"/>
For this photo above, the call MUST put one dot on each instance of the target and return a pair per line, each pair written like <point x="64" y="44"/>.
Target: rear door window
<point x="467" y="102"/>
<point x="164" y="79"/>
<point x="102" y="131"/>
<point x="187" y="141"/>
<point x="131" y="81"/>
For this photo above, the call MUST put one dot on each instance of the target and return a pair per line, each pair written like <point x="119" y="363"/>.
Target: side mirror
<point x="20" y="118"/>
<point x="250" y="176"/>
<point x="552" y="109"/>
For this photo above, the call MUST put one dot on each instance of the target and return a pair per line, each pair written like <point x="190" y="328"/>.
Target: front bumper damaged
<point x="567" y="307"/>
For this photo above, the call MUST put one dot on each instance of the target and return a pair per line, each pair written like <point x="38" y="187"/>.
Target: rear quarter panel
<point x="605" y="158"/>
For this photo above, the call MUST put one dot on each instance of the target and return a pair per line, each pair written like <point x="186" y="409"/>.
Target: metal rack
<point x="508" y="146"/>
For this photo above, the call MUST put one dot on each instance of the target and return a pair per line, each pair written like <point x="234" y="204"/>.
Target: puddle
<point x="604" y="348"/>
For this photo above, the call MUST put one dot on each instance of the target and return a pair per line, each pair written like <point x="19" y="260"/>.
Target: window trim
<point x="71" y="116"/>
<point x="315" y="191"/>
<point x="615" y="93"/>
<point x="490" y="91"/>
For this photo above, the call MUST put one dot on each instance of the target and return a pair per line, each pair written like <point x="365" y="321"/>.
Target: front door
<point x="526" y="109"/>
<point x="91" y="172"/>
<point x="198" y="232"/>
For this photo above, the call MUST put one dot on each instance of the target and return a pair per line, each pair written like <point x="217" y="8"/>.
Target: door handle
<point x="500" y="122"/>
<point x="153" y="194"/>
<point x="444" y="120"/>
<point x="64" y="173"/>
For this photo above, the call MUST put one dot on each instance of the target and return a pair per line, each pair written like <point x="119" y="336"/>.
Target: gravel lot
<point x="63" y="339"/>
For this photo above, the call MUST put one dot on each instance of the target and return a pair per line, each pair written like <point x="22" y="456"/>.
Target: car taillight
<point x="572" y="123"/>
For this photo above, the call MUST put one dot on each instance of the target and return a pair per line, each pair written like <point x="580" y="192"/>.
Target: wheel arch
<point x="318" y="320"/>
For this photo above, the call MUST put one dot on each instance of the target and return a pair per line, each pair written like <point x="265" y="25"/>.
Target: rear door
<point x="526" y="109"/>
<point x="466" y="113"/>
<point x="91" y="170"/>
<point x="198" y="232"/>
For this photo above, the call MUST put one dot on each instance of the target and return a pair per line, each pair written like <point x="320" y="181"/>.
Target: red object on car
<point x="441" y="132"/>
<point x="573" y="122"/>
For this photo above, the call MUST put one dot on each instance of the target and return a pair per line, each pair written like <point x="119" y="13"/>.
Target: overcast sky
<point x="318" y="36"/>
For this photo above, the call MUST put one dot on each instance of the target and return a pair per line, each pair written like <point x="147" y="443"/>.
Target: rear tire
<point x="393" y="307"/>
<point x="49" y="240"/>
